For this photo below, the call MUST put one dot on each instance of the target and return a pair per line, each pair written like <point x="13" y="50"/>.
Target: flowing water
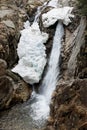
<point x="33" y="114"/>
<point x="39" y="10"/>
<point x="40" y="108"/>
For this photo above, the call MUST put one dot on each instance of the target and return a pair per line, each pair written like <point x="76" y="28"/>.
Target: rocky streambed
<point x="69" y="104"/>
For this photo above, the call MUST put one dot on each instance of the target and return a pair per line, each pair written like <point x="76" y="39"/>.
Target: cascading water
<point x="40" y="108"/>
<point x="49" y="82"/>
<point x="39" y="10"/>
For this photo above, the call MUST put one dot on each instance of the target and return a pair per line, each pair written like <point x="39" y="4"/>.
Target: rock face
<point x="69" y="108"/>
<point x="77" y="43"/>
<point x="69" y="105"/>
<point x="71" y="49"/>
<point x="11" y="21"/>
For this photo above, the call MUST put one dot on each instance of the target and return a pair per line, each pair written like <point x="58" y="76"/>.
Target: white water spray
<point x="40" y="109"/>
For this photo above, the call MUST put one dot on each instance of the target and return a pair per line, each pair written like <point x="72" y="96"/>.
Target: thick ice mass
<point x="63" y="14"/>
<point x="31" y="52"/>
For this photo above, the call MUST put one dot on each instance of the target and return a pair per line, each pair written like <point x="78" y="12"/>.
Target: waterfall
<point x="49" y="82"/>
<point x="40" y="108"/>
<point x="32" y="58"/>
<point x="39" y="10"/>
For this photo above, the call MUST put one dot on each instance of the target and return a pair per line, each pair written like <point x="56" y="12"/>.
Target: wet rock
<point x="22" y="92"/>
<point x="12" y="92"/>
<point x="6" y="91"/>
<point x="3" y="66"/>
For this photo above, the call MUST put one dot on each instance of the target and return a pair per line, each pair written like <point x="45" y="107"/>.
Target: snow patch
<point x="31" y="52"/>
<point x="63" y="14"/>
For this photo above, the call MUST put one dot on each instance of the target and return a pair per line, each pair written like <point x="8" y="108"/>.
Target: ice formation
<point x="31" y="52"/>
<point x="63" y="14"/>
<point x="53" y="3"/>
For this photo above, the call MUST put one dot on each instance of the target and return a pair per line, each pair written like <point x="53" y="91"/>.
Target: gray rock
<point x="77" y="42"/>
<point x="3" y="13"/>
<point x="3" y="66"/>
<point x="9" y="23"/>
<point x="6" y="91"/>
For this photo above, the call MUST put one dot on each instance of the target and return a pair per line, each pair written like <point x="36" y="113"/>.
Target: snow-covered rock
<point x="53" y="3"/>
<point x="31" y="52"/>
<point x="56" y="14"/>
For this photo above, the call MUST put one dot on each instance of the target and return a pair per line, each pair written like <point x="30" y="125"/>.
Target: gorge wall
<point x="69" y="104"/>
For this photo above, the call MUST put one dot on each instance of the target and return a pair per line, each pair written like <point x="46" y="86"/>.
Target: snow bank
<point x="55" y="14"/>
<point x="31" y="52"/>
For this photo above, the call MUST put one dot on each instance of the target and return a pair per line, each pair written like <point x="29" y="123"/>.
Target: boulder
<point x="6" y="91"/>
<point x="22" y="92"/>
<point x="13" y="92"/>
